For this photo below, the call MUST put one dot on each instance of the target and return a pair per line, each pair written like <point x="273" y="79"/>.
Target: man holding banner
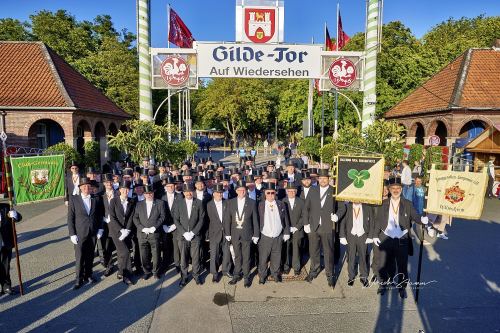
<point x="85" y="225"/>
<point x="6" y="246"/>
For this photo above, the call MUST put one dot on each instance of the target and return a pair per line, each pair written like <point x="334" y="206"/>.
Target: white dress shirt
<point x="124" y="202"/>
<point x="86" y="203"/>
<point x="76" y="188"/>
<point x="149" y="206"/>
<point x="272" y="221"/>
<point x="140" y="197"/>
<point x="170" y="199"/>
<point x="241" y="205"/>
<point x="291" y="177"/>
<point x="292" y="202"/>
<point x="306" y="191"/>
<point x="189" y="205"/>
<point x="218" y="206"/>
<point x="199" y="194"/>
<point x="322" y="191"/>
<point x="393" y="229"/>
<point x="357" y="221"/>
<point x="406" y="176"/>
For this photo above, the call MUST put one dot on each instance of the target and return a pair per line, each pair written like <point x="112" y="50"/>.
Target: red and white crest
<point x="342" y="73"/>
<point x="260" y="24"/>
<point x="174" y="71"/>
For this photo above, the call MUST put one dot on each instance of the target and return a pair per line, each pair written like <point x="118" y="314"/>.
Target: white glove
<point x="307" y="228"/>
<point x="145" y="230"/>
<point x="286" y="238"/>
<point x="191" y="234"/>
<point x="13" y="214"/>
<point x="255" y="240"/>
<point x="165" y="228"/>
<point x="74" y="239"/>
<point x="152" y="230"/>
<point x="186" y="236"/>
<point x="343" y="241"/>
<point x="424" y="220"/>
<point x="228" y="238"/>
<point x="369" y="241"/>
<point x="334" y="217"/>
<point x="293" y="229"/>
<point x="106" y="219"/>
<point x="99" y="233"/>
<point x="431" y="231"/>
<point x="66" y="203"/>
<point x="376" y="241"/>
<point x="172" y="228"/>
<point x="123" y="235"/>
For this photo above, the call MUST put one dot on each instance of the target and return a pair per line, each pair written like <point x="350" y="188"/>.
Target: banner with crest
<point x="37" y="178"/>
<point x="456" y="193"/>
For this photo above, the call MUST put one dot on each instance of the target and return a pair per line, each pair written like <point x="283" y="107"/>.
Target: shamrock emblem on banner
<point x="358" y="177"/>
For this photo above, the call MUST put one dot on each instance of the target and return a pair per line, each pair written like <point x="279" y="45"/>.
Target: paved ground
<point x="462" y="294"/>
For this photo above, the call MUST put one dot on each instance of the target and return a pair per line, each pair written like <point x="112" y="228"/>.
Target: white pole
<point x="143" y="43"/>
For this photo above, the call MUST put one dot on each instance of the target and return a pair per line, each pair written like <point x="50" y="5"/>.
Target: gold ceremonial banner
<point x="456" y="193"/>
<point x="360" y="179"/>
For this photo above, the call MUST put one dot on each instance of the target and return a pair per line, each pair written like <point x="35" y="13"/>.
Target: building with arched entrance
<point x="457" y="104"/>
<point x="45" y="101"/>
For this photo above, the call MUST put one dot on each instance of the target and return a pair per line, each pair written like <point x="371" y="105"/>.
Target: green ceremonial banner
<point x="360" y="179"/>
<point x="37" y="178"/>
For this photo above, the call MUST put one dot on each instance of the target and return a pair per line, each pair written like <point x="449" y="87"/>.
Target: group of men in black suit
<point x="231" y="220"/>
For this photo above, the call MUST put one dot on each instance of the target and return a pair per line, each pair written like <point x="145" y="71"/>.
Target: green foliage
<point x="385" y="137"/>
<point x="433" y="155"/>
<point x="310" y="146"/>
<point x="92" y="153"/>
<point x="416" y="154"/>
<point x="189" y="147"/>
<point x="70" y="153"/>
<point x="14" y="30"/>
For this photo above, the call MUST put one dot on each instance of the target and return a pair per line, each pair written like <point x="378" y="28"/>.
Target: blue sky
<point x="214" y="20"/>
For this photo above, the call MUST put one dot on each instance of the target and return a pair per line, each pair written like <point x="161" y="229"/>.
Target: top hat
<point x="323" y="173"/>
<point x="91" y="170"/>
<point x="273" y="175"/>
<point x="188" y="187"/>
<point x="239" y="183"/>
<point x="313" y="171"/>
<point x="291" y="186"/>
<point x="225" y="176"/>
<point x="128" y="172"/>
<point x="248" y="179"/>
<point x="125" y="184"/>
<point x="395" y="181"/>
<point x="198" y="179"/>
<point x="218" y="188"/>
<point x="290" y="163"/>
<point x="179" y="179"/>
<point x="270" y="187"/>
<point x="257" y="173"/>
<point x="220" y="164"/>
<point x="84" y="181"/>
<point x="73" y="163"/>
<point x="148" y="188"/>
<point x="107" y="177"/>
<point x="273" y="163"/>
<point x="187" y="172"/>
<point x="168" y="180"/>
<point x="306" y="175"/>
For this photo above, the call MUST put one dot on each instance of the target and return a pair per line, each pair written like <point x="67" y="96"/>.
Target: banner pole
<point x="13" y="223"/>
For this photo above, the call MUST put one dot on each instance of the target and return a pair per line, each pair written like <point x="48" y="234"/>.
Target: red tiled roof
<point x="32" y="75"/>
<point x="470" y="81"/>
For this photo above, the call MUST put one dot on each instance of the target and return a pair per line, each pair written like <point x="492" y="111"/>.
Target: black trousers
<point x="291" y="254"/>
<point x="176" y="249"/>
<point x="394" y="254"/>
<point x="318" y="241"/>
<point x="150" y="249"/>
<point x="241" y="257"/>
<point x="105" y="247"/>
<point x="219" y="249"/>
<point x="270" y="248"/>
<point x="134" y="246"/>
<point x="356" y="247"/>
<point x="122" y="257"/>
<point x="187" y="250"/>
<point x="5" y="257"/>
<point x="376" y="260"/>
<point x="84" y="257"/>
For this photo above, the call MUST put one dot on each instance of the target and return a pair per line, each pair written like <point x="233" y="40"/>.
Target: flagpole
<point x="168" y="26"/>
<point x="169" y="93"/>
<point x="337" y="41"/>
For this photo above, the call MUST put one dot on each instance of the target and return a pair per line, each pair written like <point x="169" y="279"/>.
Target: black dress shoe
<point x="228" y="275"/>
<point x="146" y="276"/>
<point x="331" y="281"/>
<point x="119" y="276"/>
<point x="262" y="280"/>
<point x="374" y="278"/>
<point x="350" y="283"/>
<point x="277" y="279"/>
<point x="215" y="279"/>
<point x="296" y="273"/>
<point x="127" y="281"/>
<point x="156" y="276"/>
<point x="310" y="278"/>
<point x="78" y="285"/>
<point x="402" y="293"/>
<point x="178" y="269"/>
<point x="9" y="291"/>
<point x="246" y="283"/>
<point x="92" y="279"/>
<point x="197" y="280"/>
<point x="286" y="271"/>
<point x="183" y="283"/>
<point x="381" y="290"/>
<point x="365" y="282"/>
<point x="108" y="272"/>
<point x="235" y="280"/>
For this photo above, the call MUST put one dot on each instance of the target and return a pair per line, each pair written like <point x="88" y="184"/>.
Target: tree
<point x="385" y="137"/>
<point x="70" y="153"/>
<point x="14" y="30"/>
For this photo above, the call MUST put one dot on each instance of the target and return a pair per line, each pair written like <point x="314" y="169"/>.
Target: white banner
<point x="259" y="61"/>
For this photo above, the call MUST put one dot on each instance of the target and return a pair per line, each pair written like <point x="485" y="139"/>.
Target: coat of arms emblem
<point x="454" y="194"/>
<point x="174" y="70"/>
<point x="39" y="178"/>
<point x="260" y="24"/>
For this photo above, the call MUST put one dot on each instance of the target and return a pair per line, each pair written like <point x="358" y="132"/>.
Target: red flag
<point x="179" y="33"/>
<point x="328" y="42"/>
<point x="343" y="38"/>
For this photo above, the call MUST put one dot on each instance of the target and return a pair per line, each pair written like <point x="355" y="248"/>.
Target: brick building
<point x="457" y="104"/>
<point x="46" y="101"/>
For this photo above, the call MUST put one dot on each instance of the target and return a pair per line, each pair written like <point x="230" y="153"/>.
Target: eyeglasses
<point x="269" y="193"/>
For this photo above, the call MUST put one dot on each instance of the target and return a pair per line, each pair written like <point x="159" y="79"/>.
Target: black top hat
<point x="129" y="165"/>
<point x="234" y="171"/>
<point x="218" y="188"/>
<point x="211" y="167"/>
<point x="198" y="179"/>
<point x="257" y="173"/>
<point x="145" y="159"/>
<point x="128" y="172"/>
<point x="107" y="177"/>
<point x="125" y="184"/>
<point x="137" y="169"/>
<point x="168" y="180"/>
<point x="290" y="163"/>
<point x="200" y="168"/>
<point x="84" y="181"/>
<point x="210" y="159"/>
<point x="395" y="181"/>
<point x="247" y="167"/>
<point x="386" y="182"/>
<point x="148" y="188"/>
<point x="306" y="175"/>
<point x="144" y="172"/>
<point x="323" y="173"/>
<point x="210" y="175"/>
<point x="270" y="187"/>
<point x="271" y="163"/>
<point x="273" y="175"/>
<point x="139" y="182"/>
<point x="291" y="186"/>
<point x="248" y="179"/>
<point x="187" y="172"/>
<point x="239" y="183"/>
<point x="188" y="187"/>
<point x="305" y="167"/>
<point x="73" y="163"/>
<point x="220" y="164"/>
<point x="152" y="167"/>
<point x="179" y="179"/>
<point x="313" y="171"/>
<point x="91" y="170"/>
<point x="94" y="183"/>
<point x="225" y="176"/>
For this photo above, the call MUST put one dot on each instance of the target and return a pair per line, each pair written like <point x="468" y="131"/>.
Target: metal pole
<point x="180" y="116"/>
<point x="11" y="201"/>
<point x="419" y="270"/>
<point x="169" y="117"/>
<point x="143" y="43"/>
<point x="322" y="119"/>
<point x="335" y="128"/>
